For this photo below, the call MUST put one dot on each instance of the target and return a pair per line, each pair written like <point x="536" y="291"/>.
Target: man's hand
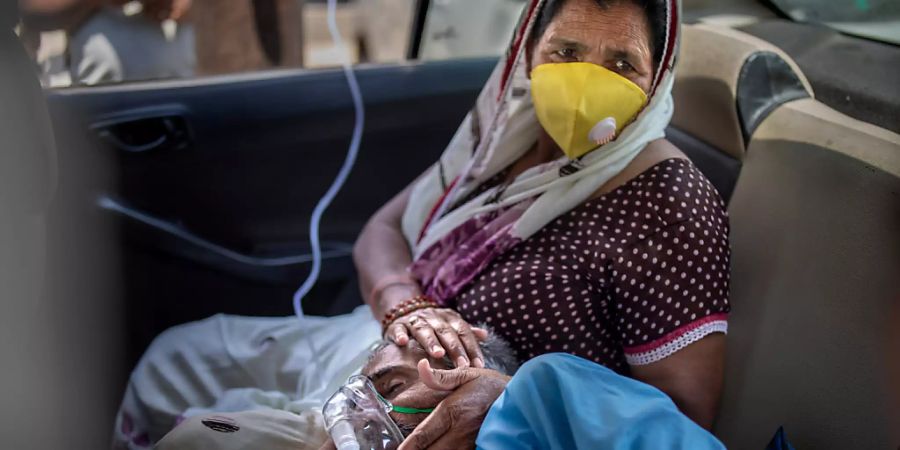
<point x="455" y="422"/>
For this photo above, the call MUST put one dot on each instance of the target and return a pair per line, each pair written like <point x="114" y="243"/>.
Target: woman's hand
<point x="455" y="422"/>
<point x="440" y="331"/>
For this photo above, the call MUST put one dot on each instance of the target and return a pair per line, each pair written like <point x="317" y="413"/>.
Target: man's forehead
<point x="391" y="355"/>
<point x="379" y="358"/>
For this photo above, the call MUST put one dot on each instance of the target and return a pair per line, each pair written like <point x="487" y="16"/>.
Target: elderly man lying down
<point x="553" y="401"/>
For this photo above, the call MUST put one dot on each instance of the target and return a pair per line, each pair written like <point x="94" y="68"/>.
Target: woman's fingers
<point x="450" y="340"/>
<point x="441" y="332"/>
<point x="424" y="333"/>
<point x="397" y="332"/>
<point x="469" y="339"/>
<point x="480" y="333"/>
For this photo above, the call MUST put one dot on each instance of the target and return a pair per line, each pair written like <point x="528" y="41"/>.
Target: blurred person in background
<point x="453" y="32"/>
<point x="380" y="40"/>
<point x="86" y="42"/>
<point x="241" y="36"/>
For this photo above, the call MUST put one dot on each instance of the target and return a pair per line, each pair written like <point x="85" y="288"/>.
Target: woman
<point x="563" y="219"/>
<point x="620" y="257"/>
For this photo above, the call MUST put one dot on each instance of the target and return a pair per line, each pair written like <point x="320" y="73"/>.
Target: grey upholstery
<point x="26" y="180"/>
<point x="58" y="382"/>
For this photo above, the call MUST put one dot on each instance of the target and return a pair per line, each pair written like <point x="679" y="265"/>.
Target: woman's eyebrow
<point x="626" y="51"/>
<point x="621" y="53"/>
<point x="566" y="42"/>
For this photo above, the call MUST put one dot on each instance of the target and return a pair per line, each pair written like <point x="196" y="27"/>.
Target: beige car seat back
<point x="815" y="218"/>
<point x="815" y="274"/>
<point x="815" y="215"/>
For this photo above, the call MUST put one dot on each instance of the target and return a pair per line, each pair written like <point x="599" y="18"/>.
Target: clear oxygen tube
<point x="339" y="180"/>
<point x="356" y="417"/>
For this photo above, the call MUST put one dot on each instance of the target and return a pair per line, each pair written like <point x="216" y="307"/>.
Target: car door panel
<point x="214" y="180"/>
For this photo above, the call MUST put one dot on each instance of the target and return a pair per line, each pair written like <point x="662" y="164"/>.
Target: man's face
<point x="395" y="376"/>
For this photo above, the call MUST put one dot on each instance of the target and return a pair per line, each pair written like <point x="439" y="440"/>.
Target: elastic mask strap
<point x="404" y="410"/>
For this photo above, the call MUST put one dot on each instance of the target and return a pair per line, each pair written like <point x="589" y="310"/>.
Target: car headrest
<point x="718" y="66"/>
<point x="27" y="149"/>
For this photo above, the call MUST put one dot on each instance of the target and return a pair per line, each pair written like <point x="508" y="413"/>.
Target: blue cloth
<point x="560" y="401"/>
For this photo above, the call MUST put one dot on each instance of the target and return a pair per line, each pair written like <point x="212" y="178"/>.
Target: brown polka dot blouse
<point x="629" y="277"/>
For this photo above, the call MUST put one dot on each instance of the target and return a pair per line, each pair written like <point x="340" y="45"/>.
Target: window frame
<point x="420" y="17"/>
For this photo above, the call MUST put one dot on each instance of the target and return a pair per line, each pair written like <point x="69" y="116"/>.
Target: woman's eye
<point x="567" y="53"/>
<point x="624" y="66"/>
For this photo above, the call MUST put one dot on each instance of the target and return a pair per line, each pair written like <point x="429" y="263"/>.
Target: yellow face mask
<point x="582" y="105"/>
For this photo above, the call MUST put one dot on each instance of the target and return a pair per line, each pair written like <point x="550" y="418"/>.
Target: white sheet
<point x="232" y="363"/>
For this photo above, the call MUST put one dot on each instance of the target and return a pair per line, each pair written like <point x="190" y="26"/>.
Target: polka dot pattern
<point x="623" y="269"/>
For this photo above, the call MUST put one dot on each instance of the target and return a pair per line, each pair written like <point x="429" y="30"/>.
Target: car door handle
<point x="141" y="133"/>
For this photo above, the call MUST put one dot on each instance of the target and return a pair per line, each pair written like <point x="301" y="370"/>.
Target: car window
<point x="468" y="28"/>
<point x="92" y="42"/>
<point x="873" y="19"/>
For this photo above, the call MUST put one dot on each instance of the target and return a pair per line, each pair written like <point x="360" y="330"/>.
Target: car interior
<point x="157" y="203"/>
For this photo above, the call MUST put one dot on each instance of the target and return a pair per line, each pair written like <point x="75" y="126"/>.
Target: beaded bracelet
<point x="405" y="307"/>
